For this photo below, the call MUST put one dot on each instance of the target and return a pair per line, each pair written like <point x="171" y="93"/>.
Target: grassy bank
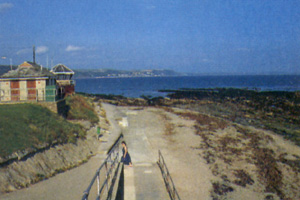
<point x="25" y="126"/>
<point x="81" y="108"/>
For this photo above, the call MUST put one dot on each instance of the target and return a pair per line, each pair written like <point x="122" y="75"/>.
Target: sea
<point x="150" y="86"/>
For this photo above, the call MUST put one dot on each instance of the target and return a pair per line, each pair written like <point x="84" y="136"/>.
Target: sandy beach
<point x="218" y="159"/>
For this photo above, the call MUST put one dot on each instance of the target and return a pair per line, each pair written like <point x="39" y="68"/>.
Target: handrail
<point x="167" y="177"/>
<point x="112" y="159"/>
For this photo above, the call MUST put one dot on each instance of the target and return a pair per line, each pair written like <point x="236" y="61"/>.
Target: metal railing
<point x="167" y="177"/>
<point x="111" y="166"/>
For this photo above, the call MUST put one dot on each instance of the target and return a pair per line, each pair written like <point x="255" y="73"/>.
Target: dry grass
<point x="243" y="178"/>
<point x="225" y="146"/>
<point x="81" y="108"/>
<point x="294" y="164"/>
<point x="204" y="121"/>
<point x="264" y="158"/>
<point x="168" y="109"/>
<point x="220" y="189"/>
<point x="246" y="146"/>
<point x="169" y="127"/>
<point x="268" y="170"/>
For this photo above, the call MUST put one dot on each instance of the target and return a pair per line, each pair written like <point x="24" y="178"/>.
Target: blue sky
<point x="204" y="36"/>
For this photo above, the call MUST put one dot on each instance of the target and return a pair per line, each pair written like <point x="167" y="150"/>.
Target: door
<point x="15" y="90"/>
<point x="31" y="88"/>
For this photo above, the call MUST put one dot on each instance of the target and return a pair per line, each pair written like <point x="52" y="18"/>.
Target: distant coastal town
<point x="111" y="73"/>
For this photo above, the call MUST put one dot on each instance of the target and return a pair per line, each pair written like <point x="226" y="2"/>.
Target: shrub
<point x="81" y="108"/>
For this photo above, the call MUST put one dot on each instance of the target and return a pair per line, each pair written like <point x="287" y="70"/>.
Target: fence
<point x="29" y="94"/>
<point x="167" y="178"/>
<point x="111" y="166"/>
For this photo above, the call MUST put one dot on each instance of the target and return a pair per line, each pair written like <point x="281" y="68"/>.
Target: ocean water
<point x="135" y="87"/>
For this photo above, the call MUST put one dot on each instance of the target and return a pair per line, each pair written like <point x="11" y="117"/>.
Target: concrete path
<point x="143" y="181"/>
<point x="71" y="184"/>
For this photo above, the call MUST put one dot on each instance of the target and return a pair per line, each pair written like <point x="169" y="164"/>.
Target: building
<point x="63" y="76"/>
<point x="32" y="82"/>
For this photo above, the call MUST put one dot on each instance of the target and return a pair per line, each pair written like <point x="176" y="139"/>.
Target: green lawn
<point x="30" y="125"/>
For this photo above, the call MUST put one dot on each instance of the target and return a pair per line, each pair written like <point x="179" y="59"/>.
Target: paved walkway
<point x="143" y="181"/>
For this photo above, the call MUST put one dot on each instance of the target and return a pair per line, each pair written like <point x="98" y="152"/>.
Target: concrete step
<point x="144" y="181"/>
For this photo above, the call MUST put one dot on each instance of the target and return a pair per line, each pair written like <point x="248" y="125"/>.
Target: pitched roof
<point x="28" y="69"/>
<point x="61" y="69"/>
<point x="5" y="68"/>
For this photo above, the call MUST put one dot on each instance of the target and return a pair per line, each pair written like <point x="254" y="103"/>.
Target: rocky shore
<point x="277" y="111"/>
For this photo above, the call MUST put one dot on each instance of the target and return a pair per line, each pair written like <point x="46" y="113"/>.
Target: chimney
<point x="34" y="54"/>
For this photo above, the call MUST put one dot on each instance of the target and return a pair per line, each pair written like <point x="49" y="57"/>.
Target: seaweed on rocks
<point x="220" y="189"/>
<point x="278" y="111"/>
<point x="243" y="178"/>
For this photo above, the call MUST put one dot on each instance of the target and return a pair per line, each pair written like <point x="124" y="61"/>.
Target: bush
<point x="81" y="108"/>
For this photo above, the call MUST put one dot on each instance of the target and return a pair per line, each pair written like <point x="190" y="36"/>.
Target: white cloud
<point x="41" y="49"/>
<point x="205" y="60"/>
<point x="5" y="6"/>
<point x="243" y="49"/>
<point x="151" y="7"/>
<point x="24" y="51"/>
<point x="74" y="48"/>
<point x="38" y="50"/>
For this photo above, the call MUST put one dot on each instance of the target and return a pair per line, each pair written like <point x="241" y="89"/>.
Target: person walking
<point x="98" y="132"/>
<point x="126" y="157"/>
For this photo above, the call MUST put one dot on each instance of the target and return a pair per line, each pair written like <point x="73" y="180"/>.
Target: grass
<point x="24" y="126"/>
<point x="81" y="108"/>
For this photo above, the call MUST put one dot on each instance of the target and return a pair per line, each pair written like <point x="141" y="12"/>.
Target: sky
<point x="194" y="36"/>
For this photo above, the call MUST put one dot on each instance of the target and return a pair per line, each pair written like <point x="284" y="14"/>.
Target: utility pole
<point x="47" y="61"/>
<point x="10" y="60"/>
<point x="34" y="54"/>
